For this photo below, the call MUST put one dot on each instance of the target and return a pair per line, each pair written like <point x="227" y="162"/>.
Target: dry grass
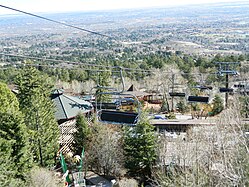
<point x="41" y="177"/>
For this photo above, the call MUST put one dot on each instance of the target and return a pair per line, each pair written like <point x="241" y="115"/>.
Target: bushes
<point x="41" y="177"/>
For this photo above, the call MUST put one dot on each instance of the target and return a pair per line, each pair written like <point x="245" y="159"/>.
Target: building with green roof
<point x="68" y="107"/>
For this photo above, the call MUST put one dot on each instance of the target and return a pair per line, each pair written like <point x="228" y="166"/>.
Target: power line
<point x="75" y="63"/>
<point x="60" y="67"/>
<point x="135" y="70"/>
<point x="68" y="25"/>
<point x="72" y="26"/>
<point x="58" y="22"/>
<point x="55" y="60"/>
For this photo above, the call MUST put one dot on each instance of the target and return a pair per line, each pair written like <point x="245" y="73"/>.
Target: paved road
<point x="97" y="180"/>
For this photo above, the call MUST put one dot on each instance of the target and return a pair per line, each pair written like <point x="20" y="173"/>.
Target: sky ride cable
<point x="136" y="70"/>
<point x="58" y="22"/>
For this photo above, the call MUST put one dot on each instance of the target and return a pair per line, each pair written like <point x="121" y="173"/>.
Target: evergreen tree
<point x="103" y="81"/>
<point x="181" y="106"/>
<point x="218" y="105"/>
<point x="218" y="58"/>
<point x="8" y="100"/>
<point x="139" y="147"/>
<point x="241" y="58"/>
<point x="165" y="104"/>
<point x="34" y="91"/>
<point x="14" y="159"/>
<point x="81" y="136"/>
<point x="8" y="170"/>
<point x="244" y="102"/>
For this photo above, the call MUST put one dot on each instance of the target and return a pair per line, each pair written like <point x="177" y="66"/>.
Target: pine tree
<point x="34" y="91"/>
<point x="244" y="102"/>
<point x="8" y="101"/>
<point x="181" y="106"/>
<point x="139" y="147"/>
<point x="14" y="160"/>
<point x="218" y="105"/>
<point x="165" y="104"/>
<point x="8" y="169"/>
<point x="81" y="136"/>
<point x="103" y="81"/>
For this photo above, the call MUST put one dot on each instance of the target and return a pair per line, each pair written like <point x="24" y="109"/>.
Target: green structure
<point x="68" y="107"/>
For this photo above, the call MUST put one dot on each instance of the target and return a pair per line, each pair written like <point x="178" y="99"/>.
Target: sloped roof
<point x="132" y="88"/>
<point x="134" y="91"/>
<point x="67" y="107"/>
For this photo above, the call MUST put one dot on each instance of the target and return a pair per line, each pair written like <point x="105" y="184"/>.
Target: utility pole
<point x="226" y="96"/>
<point x="173" y="87"/>
<point x="227" y="68"/>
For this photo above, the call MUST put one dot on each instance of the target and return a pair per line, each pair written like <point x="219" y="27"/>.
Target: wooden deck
<point x="183" y="125"/>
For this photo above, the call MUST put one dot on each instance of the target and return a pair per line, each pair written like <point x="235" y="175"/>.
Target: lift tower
<point x="227" y="68"/>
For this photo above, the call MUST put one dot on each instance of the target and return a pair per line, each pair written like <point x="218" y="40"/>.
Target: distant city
<point x="203" y="30"/>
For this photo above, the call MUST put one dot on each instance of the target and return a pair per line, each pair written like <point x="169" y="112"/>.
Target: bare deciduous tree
<point x="215" y="155"/>
<point x="107" y="150"/>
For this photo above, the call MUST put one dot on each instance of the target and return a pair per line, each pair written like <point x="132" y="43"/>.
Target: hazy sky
<point x="83" y="5"/>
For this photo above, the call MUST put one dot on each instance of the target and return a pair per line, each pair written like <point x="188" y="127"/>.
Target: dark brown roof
<point x="134" y="91"/>
<point x="132" y="88"/>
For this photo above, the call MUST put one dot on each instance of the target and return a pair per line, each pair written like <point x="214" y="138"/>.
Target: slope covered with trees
<point x="34" y="96"/>
<point x="14" y="149"/>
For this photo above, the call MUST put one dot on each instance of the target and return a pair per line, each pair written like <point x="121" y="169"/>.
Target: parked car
<point x="160" y="117"/>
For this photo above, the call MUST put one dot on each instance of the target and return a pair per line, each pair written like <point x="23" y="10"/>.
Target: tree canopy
<point x="38" y="109"/>
<point x="140" y="149"/>
<point x="81" y="136"/>
<point x="14" y="158"/>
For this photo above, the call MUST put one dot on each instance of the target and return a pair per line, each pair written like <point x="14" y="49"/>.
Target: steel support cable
<point x="54" y="60"/>
<point x="69" y="25"/>
<point x="136" y="70"/>
<point x="79" y="28"/>
<point x="77" y="63"/>
<point x="58" y="22"/>
<point x="60" y="67"/>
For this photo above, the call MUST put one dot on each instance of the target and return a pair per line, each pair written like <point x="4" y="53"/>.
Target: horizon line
<point x="122" y="9"/>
